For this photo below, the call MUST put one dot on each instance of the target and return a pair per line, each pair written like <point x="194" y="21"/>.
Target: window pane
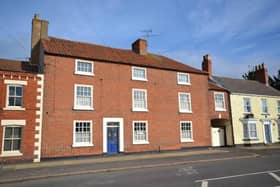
<point x="11" y="90"/>
<point x="139" y="97"/>
<point x="183" y="78"/>
<point x="18" y="91"/>
<point x="186" y="131"/>
<point x="7" y="145"/>
<point x="8" y="132"/>
<point x="245" y="130"/>
<point x="185" y="102"/>
<point x="140" y="133"/>
<point x="139" y="73"/>
<point x="17" y="132"/>
<point x="82" y="132"/>
<point x="84" y="67"/>
<point x="18" y="101"/>
<point x="16" y="145"/>
<point x="84" y="96"/>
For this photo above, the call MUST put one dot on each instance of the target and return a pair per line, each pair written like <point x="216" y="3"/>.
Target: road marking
<point x="276" y="177"/>
<point x="204" y="184"/>
<point x="234" y="176"/>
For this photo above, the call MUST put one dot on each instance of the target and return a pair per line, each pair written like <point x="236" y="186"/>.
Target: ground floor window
<point x="140" y="132"/>
<point x="82" y="135"/>
<point x="250" y="129"/>
<point x="186" y="131"/>
<point x="279" y="128"/>
<point x="12" y="139"/>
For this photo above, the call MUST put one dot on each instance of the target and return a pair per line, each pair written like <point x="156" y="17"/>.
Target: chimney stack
<point x="261" y="74"/>
<point x="39" y="31"/>
<point x="207" y="64"/>
<point x="140" y="46"/>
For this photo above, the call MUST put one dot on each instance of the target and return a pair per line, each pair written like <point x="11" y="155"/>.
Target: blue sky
<point x="238" y="34"/>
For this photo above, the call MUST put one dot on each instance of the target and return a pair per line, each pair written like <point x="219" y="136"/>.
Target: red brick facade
<point x="112" y="97"/>
<point x="25" y="117"/>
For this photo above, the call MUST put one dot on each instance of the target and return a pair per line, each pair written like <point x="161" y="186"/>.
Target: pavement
<point x="69" y="167"/>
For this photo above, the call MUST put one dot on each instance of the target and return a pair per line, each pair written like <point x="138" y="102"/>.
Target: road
<point x="260" y="171"/>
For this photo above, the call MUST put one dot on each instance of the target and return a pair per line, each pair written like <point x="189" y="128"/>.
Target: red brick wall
<point x="215" y="114"/>
<point x="29" y="114"/>
<point x="113" y="98"/>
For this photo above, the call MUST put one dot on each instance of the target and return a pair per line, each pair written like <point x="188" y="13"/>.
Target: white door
<point x="218" y="137"/>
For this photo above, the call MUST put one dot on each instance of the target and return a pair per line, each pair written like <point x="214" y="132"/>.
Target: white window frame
<point x="247" y="122"/>
<point x="246" y="112"/>
<point x="83" y="144"/>
<point x="139" y="109"/>
<point x="263" y="100"/>
<point x="78" y="107"/>
<point x="14" y="83"/>
<point x="11" y="123"/>
<point x="181" y="110"/>
<point x="278" y="125"/>
<point x="184" y="74"/>
<point x="224" y="103"/>
<point x="138" y="78"/>
<point x="82" y="72"/>
<point x="133" y="133"/>
<point x="181" y="133"/>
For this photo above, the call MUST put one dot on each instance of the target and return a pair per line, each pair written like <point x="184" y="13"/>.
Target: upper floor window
<point x="278" y="123"/>
<point x="139" y="100"/>
<point x="140" y="132"/>
<point x="83" y="99"/>
<point x="139" y="73"/>
<point x="84" y="67"/>
<point x="264" y="106"/>
<point x="247" y="105"/>
<point x="14" y="98"/>
<point x="186" y="131"/>
<point x="278" y="107"/>
<point x="219" y="101"/>
<point x="185" y="102"/>
<point x="183" y="78"/>
<point x="82" y="133"/>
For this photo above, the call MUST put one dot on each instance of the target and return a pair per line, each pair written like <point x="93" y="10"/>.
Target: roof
<point x="61" y="47"/>
<point x="213" y="86"/>
<point x="246" y="86"/>
<point x="17" y="66"/>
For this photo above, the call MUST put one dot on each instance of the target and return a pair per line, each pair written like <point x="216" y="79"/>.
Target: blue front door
<point x="112" y="140"/>
<point x="267" y="133"/>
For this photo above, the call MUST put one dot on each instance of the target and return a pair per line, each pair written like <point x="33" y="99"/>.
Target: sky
<point x="238" y="34"/>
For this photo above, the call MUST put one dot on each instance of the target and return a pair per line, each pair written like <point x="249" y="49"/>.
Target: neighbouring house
<point x="219" y="108"/>
<point x="21" y="90"/>
<point x="255" y="108"/>
<point x="103" y="100"/>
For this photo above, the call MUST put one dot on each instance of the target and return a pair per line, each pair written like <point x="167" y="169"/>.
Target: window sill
<point x="265" y="114"/>
<point x="140" y="110"/>
<point x="139" y="143"/>
<point x="11" y="154"/>
<point x="82" y="73"/>
<point x="184" y="84"/>
<point x="220" y="110"/>
<point x="80" y="108"/>
<point x="184" y="141"/>
<point x="185" y="112"/>
<point x="139" y="79"/>
<point x="82" y="145"/>
<point x="14" y="108"/>
<point x="247" y="139"/>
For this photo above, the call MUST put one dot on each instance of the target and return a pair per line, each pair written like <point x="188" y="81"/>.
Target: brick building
<point x="20" y="111"/>
<point x="100" y="99"/>
<point x="219" y="108"/>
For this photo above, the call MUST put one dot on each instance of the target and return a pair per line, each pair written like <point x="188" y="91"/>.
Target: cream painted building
<point x="255" y="111"/>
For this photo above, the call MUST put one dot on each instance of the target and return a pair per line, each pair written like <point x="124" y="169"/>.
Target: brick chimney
<point x="261" y="74"/>
<point x="39" y="31"/>
<point x="207" y="64"/>
<point x="140" y="46"/>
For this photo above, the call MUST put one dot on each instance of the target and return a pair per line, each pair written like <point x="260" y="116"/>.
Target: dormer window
<point x="139" y="74"/>
<point x="183" y="78"/>
<point x="84" y="67"/>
